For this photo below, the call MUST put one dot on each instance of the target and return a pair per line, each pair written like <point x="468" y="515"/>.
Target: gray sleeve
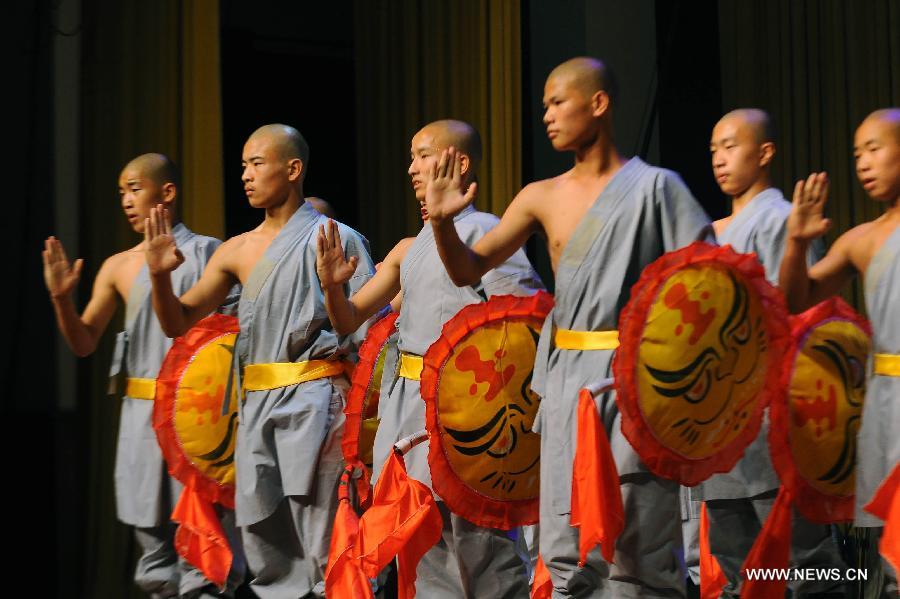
<point x="769" y="244"/>
<point x="514" y="277"/>
<point x="683" y="220"/>
<point x="357" y="245"/>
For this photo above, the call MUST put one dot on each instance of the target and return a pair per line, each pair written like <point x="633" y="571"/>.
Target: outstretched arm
<point x="61" y="277"/>
<point x="444" y="199"/>
<point x="802" y="286"/>
<point x="177" y="315"/>
<point x="347" y="315"/>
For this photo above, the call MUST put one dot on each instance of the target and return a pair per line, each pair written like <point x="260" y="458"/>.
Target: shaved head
<point x="286" y="140"/>
<point x="759" y="122"/>
<point x="156" y="167"/>
<point x="589" y="75"/>
<point x="321" y="206"/>
<point x="459" y="134"/>
<point x="886" y="116"/>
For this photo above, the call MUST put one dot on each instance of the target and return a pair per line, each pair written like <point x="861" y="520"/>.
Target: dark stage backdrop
<point x="819" y="67"/>
<point x="359" y="78"/>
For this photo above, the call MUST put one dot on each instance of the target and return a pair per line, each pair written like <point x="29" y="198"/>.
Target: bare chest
<point x="866" y="247"/>
<point x="561" y="218"/>
<point x="245" y="256"/>
<point x="127" y="270"/>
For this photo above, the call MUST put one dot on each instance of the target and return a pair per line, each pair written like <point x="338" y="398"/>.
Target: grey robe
<point x="468" y="561"/>
<point x="283" y="319"/>
<point x="430" y="299"/>
<point x="878" y="442"/>
<point x="642" y="213"/>
<point x="761" y="227"/>
<point x="142" y="485"/>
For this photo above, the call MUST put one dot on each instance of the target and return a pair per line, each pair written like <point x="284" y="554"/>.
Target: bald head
<point x="156" y="167"/>
<point x="321" y="206"/>
<point x="886" y="117"/>
<point x="758" y="122"/>
<point x="286" y="141"/>
<point x="459" y="134"/>
<point x="588" y="75"/>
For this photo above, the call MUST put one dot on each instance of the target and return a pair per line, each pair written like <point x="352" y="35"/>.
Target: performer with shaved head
<point x="145" y="493"/>
<point x="604" y="220"/>
<point x="468" y="561"/>
<point x="871" y="250"/>
<point x="742" y="146"/>
<point x="288" y="455"/>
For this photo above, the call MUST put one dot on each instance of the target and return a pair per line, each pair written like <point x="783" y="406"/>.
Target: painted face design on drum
<point x="501" y="451"/>
<point x="718" y="368"/>
<point x="827" y="393"/>
<point x="200" y="411"/>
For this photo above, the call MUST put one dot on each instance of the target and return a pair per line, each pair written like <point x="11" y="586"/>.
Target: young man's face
<point x="424" y="153"/>
<point x="737" y="156"/>
<point x="568" y="114"/>
<point x="266" y="174"/>
<point x="877" y="151"/>
<point x="139" y="193"/>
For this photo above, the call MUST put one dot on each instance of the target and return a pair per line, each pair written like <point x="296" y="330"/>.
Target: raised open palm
<point x="160" y="250"/>
<point x="331" y="265"/>
<point x="444" y="197"/>
<point x="60" y="275"/>
<point x="807" y="219"/>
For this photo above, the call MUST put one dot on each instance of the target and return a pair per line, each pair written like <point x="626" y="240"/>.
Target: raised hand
<point x="807" y="219"/>
<point x="160" y="250"/>
<point x="60" y="275"/>
<point x="444" y="197"/>
<point x="331" y="265"/>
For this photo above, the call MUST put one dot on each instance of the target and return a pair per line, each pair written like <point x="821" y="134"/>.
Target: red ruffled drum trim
<point x="661" y="460"/>
<point x="459" y="497"/>
<point x="371" y="347"/>
<point x="813" y="504"/>
<point x="177" y="359"/>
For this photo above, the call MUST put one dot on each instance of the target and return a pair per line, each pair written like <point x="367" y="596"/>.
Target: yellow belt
<point x="411" y="366"/>
<point x="886" y="364"/>
<point x="140" y="388"/>
<point x="262" y="377"/>
<point x="586" y="340"/>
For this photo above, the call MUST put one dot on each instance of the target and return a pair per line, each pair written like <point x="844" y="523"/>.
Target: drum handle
<point x="601" y="386"/>
<point x="404" y="445"/>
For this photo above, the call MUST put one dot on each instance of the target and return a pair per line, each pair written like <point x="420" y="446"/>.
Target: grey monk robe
<point x="878" y="438"/>
<point x="760" y="227"/>
<point x="735" y="519"/>
<point x="468" y="561"/>
<point x="878" y="443"/>
<point x="642" y="213"/>
<point x="288" y="455"/>
<point x="145" y="493"/>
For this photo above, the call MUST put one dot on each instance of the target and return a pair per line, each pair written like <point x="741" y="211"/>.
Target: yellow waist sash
<point x="586" y="340"/>
<point x="262" y="377"/>
<point x="140" y="388"/>
<point x="886" y="364"/>
<point x="411" y="366"/>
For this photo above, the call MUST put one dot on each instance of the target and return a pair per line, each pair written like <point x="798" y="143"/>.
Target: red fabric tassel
<point x="403" y="521"/>
<point x="200" y="538"/>
<point x="542" y="587"/>
<point x="886" y="505"/>
<point x="343" y="575"/>
<point x="772" y="549"/>
<point x="596" y="497"/>
<point x="712" y="578"/>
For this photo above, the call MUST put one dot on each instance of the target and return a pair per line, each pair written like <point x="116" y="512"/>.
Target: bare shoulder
<point x="398" y="252"/>
<point x="537" y="190"/>
<point x="122" y="263"/>
<point x="857" y="245"/>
